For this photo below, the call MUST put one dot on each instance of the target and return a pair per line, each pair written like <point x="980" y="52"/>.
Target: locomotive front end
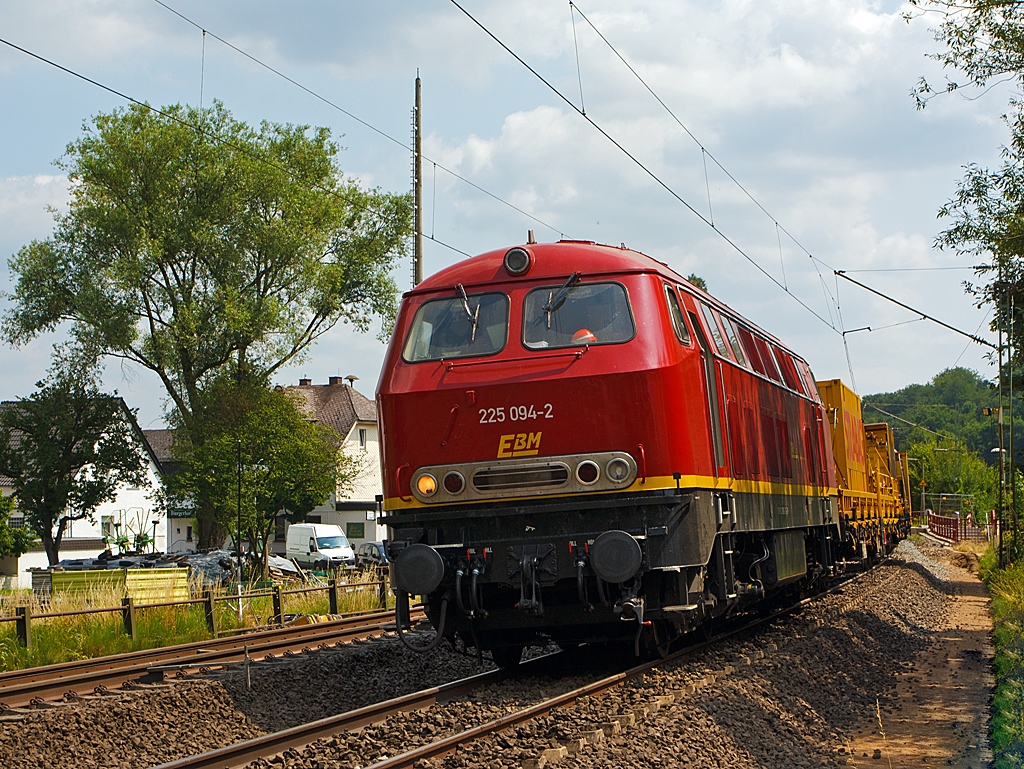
<point x="517" y="407"/>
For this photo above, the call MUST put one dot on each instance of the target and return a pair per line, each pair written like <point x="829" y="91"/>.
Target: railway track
<point x="242" y="753"/>
<point x="21" y="688"/>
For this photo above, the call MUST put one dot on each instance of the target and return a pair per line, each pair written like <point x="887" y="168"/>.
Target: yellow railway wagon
<point x="871" y="475"/>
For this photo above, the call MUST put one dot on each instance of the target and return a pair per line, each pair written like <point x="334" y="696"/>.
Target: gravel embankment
<point x="796" y="692"/>
<point x="152" y="725"/>
<point x="809" y="679"/>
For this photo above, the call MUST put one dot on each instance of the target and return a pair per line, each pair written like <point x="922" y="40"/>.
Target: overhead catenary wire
<point x="657" y="179"/>
<point x="978" y="339"/>
<point x="705" y="153"/>
<point x="355" y="117"/>
<point x="174" y="118"/>
<point x="869" y="404"/>
<point x="704" y="150"/>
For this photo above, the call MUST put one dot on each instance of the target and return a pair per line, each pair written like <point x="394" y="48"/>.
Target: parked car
<point x="319" y="545"/>
<point x="371" y="554"/>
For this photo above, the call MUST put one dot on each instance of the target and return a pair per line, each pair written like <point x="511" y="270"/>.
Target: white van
<point x="319" y="545"/>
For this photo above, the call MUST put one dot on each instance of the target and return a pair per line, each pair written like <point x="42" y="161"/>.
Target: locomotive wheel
<point x="507" y="656"/>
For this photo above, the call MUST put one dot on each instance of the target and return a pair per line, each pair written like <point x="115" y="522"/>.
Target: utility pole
<point x="1000" y="519"/>
<point x="417" y="267"/>
<point x="1013" y="471"/>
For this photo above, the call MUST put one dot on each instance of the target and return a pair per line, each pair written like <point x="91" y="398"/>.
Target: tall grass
<point x="63" y="639"/>
<point x="1006" y="590"/>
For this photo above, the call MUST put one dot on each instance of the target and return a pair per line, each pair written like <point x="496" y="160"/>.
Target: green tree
<point x="698" y="281"/>
<point x="13" y="542"/>
<point x="948" y="407"/>
<point x="194" y="243"/>
<point x="68" y="447"/>
<point x="984" y="41"/>
<point x="288" y="464"/>
<point x="951" y="468"/>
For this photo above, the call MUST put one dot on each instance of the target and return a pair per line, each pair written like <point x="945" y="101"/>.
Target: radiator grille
<point x="544" y="476"/>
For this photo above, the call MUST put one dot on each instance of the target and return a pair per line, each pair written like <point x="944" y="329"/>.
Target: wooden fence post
<point x="211" y="618"/>
<point x="332" y="595"/>
<point x="278" y="605"/>
<point x="23" y="625"/>
<point x="382" y="591"/>
<point x="128" y="616"/>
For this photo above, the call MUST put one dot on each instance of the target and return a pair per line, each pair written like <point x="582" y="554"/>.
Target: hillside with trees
<point x="949" y="428"/>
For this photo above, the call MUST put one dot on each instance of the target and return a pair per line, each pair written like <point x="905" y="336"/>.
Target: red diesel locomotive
<point x="580" y="445"/>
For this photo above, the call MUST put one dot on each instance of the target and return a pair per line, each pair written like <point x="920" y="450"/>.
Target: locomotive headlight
<point x="587" y="472"/>
<point x="454" y="483"/>
<point x="426" y="485"/>
<point x="617" y="470"/>
<point x="518" y="261"/>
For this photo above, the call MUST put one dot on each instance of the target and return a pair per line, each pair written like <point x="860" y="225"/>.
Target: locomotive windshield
<point x="463" y="325"/>
<point x="590" y="313"/>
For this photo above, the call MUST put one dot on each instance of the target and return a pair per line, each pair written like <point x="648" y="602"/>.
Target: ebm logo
<point x="520" y="445"/>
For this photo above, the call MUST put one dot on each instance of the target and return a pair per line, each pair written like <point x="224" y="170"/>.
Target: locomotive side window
<point x="808" y="377"/>
<point x="765" y="352"/>
<point x="751" y="349"/>
<point x="788" y="370"/>
<point x="676" y="314"/>
<point x="587" y="314"/>
<point x="458" y="327"/>
<point x="716" y="335"/>
<point x="734" y="342"/>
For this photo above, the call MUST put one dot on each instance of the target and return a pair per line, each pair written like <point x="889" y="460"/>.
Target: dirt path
<point x="942" y="714"/>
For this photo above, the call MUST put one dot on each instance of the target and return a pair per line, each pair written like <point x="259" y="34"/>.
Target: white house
<point x="354" y="418"/>
<point x="133" y="512"/>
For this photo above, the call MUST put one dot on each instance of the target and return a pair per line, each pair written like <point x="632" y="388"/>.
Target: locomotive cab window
<point x="457" y="327"/>
<point x="576" y="314"/>
<point x="676" y="314"/>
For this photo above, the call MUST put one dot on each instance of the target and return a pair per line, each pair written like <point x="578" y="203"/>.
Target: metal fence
<point x="959" y="529"/>
<point x="24" y="617"/>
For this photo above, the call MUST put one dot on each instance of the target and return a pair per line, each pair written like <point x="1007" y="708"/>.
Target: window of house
<point x="188" y="534"/>
<point x="458" y="327"/>
<point x="362" y="438"/>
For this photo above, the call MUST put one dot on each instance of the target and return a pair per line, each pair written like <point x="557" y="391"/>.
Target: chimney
<point x="334" y="380"/>
<point x="305" y="382"/>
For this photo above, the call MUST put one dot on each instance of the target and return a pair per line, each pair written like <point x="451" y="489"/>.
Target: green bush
<point x="1006" y="589"/>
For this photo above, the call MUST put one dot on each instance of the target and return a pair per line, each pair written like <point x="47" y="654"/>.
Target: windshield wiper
<point x="474" y="317"/>
<point x="563" y="293"/>
<point x="557" y="300"/>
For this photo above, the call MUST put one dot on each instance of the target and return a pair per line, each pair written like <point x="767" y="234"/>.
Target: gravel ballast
<point x="789" y="695"/>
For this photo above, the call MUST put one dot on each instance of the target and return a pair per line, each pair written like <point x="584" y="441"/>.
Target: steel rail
<point x="245" y="752"/>
<point x="23" y="687"/>
<point x="450" y="744"/>
<point x="242" y="753"/>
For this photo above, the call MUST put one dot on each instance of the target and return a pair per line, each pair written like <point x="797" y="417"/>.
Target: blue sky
<point x="804" y="102"/>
